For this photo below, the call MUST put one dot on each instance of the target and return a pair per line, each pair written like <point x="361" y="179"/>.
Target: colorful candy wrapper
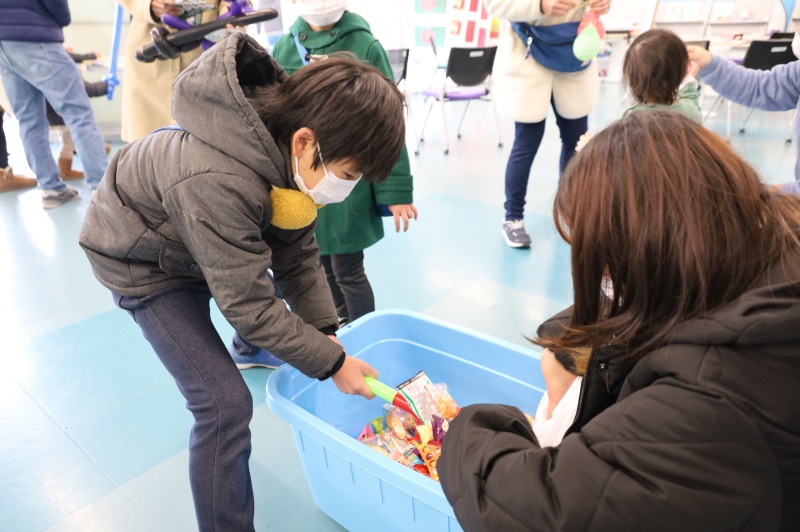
<point x="418" y="392"/>
<point x="430" y="453"/>
<point x="440" y="426"/>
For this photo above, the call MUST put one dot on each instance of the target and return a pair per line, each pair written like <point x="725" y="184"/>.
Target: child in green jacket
<point x="346" y="229"/>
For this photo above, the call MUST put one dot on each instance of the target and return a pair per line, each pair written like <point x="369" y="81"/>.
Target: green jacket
<point x="687" y="104"/>
<point x="354" y="224"/>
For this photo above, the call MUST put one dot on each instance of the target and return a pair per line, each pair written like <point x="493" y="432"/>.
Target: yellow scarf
<point x="291" y="209"/>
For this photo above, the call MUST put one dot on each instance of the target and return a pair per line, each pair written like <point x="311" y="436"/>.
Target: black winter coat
<point x="702" y="433"/>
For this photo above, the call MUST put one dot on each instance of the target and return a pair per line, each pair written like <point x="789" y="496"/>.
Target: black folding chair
<point x="399" y="60"/>
<point x="470" y="70"/>
<point x="702" y="44"/>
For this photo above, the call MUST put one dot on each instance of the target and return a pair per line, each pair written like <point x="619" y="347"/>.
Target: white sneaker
<point x="515" y="235"/>
<point x="55" y="198"/>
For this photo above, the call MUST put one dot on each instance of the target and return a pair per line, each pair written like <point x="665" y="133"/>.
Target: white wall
<point x="91" y="31"/>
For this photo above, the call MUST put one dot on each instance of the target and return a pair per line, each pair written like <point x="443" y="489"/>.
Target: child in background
<point x="659" y="74"/>
<point x="346" y="229"/>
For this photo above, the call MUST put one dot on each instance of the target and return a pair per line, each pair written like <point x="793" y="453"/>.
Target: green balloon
<point x="587" y="44"/>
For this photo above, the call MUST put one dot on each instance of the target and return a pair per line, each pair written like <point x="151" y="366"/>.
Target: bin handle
<point x="390" y="395"/>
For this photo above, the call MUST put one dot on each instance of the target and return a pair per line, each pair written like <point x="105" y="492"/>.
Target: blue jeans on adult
<point x="352" y="293"/>
<point x="527" y="138"/>
<point x="33" y="72"/>
<point x="177" y="323"/>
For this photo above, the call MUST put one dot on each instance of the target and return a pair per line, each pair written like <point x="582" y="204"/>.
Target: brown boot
<point x="9" y="181"/>
<point x="65" y="170"/>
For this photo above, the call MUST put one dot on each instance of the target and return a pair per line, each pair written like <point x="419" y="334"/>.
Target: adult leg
<point x="348" y="270"/>
<point x="336" y="292"/>
<point x="177" y="323"/>
<point x="527" y="138"/>
<point x="571" y="131"/>
<point x="28" y="104"/>
<point x="69" y="99"/>
<point x="48" y="68"/>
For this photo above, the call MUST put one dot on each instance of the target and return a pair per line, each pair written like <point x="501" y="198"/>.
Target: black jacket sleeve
<point x="666" y="458"/>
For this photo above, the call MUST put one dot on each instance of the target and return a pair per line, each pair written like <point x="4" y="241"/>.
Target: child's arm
<point x="689" y="99"/>
<point x="396" y="193"/>
<point x="226" y="243"/>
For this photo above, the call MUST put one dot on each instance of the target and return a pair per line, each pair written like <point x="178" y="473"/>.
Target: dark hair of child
<point x="655" y="66"/>
<point x="354" y="110"/>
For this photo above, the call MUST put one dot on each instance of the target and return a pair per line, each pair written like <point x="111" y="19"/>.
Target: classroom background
<point x="94" y="433"/>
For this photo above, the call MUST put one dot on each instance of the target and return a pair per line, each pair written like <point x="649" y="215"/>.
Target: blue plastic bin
<point x="358" y="487"/>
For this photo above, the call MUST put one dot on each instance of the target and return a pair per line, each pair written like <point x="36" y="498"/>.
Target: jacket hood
<point x="767" y="316"/>
<point x="210" y="104"/>
<point x="349" y="23"/>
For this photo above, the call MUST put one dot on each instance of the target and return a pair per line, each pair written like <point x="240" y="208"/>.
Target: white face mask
<point x="330" y="189"/>
<point x="321" y="12"/>
<point x="796" y="45"/>
<point x="607" y="287"/>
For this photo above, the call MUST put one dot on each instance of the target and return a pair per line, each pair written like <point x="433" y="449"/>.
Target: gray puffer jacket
<point x="179" y="207"/>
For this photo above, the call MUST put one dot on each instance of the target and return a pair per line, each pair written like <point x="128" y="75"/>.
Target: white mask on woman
<point x="321" y="12"/>
<point x="330" y="189"/>
<point x="607" y="287"/>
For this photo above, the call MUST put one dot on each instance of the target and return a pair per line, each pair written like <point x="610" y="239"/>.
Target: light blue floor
<point x="94" y="434"/>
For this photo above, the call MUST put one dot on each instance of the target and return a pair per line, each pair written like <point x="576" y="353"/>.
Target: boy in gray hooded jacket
<point x="204" y="209"/>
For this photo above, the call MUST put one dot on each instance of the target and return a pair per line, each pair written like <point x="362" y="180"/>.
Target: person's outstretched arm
<point x="769" y="90"/>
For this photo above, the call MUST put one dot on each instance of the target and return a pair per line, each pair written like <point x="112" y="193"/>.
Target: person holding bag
<point x="528" y="80"/>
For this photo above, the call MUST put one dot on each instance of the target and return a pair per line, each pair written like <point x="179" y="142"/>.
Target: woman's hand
<point x="699" y="55"/>
<point x="350" y="377"/>
<point x="557" y="379"/>
<point x="600" y="7"/>
<point x="558" y="8"/>
<point x="159" y="7"/>
<point x="404" y="212"/>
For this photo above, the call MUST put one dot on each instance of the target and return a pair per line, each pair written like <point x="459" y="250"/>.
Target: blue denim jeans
<point x="34" y="71"/>
<point x="177" y="323"/>
<point x="527" y="138"/>
<point x="352" y="293"/>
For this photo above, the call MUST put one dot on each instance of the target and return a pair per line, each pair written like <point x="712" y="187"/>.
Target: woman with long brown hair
<point x="689" y="417"/>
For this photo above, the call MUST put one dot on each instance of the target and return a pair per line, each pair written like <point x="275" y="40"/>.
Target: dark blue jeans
<point x="177" y="323"/>
<point x="352" y="293"/>
<point x="527" y="138"/>
<point x="3" y="145"/>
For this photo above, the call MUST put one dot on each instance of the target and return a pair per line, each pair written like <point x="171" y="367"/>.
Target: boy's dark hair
<point x="655" y="66"/>
<point x="354" y="110"/>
